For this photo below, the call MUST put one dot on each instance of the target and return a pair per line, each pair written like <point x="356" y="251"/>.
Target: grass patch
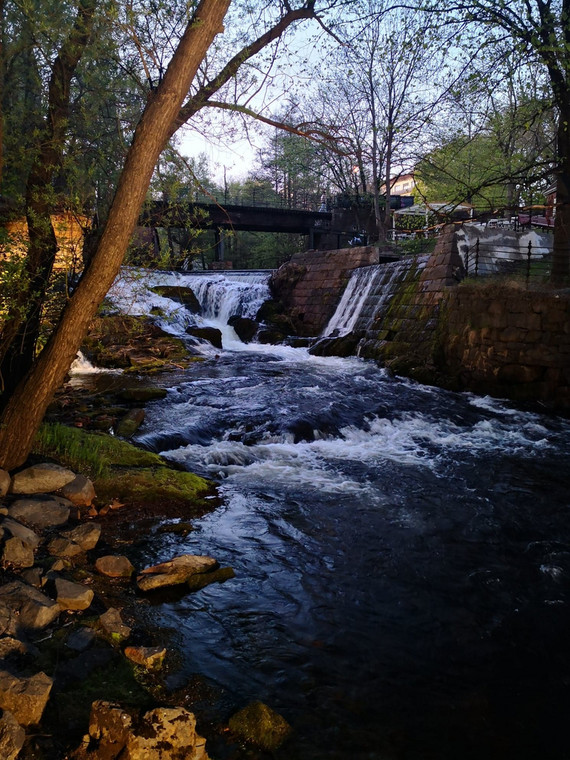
<point x="119" y="469"/>
<point x="92" y="454"/>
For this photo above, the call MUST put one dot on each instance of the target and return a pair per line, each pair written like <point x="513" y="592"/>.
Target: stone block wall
<point x="444" y="268"/>
<point x="309" y="287"/>
<point x="508" y="342"/>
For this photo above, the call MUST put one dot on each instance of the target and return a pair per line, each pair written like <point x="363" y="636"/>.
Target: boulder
<point x="161" y="734"/>
<point x="114" y="566"/>
<point x="128" y="425"/>
<point x="41" y="478"/>
<point x="245" y="328"/>
<point x="12" y="736"/>
<point x="147" y="657"/>
<point x="259" y="724"/>
<point x="25" y="698"/>
<point x="11" y="646"/>
<point x="142" y="393"/>
<point x="32" y="609"/>
<point x="109" y="726"/>
<point x="40" y="513"/>
<point x="184" y="296"/>
<point x="112" y="624"/>
<point x="73" y="596"/>
<point x="34" y="576"/>
<point x="270" y="337"/>
<point x="63" y="547"/>
<point x="345" y="345"/>
<point x="16" y="528"/>
<point x="17" y="553"/>
<point x="80" y="491"/>
<point x="85" y="535"/>
<point x="80" y="639"/>
<point x="210" y="334"/>
<point x="196" y="582"/>
<point x="5" y="481"/>
<point x="166" y="733"/>
<point x="175" y="571"/>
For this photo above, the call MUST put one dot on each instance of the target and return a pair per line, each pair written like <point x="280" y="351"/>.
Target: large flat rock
<point x="175" y="571"/>
<point x="41" y="478"/>
<point x="25" y="698"/>
<point x="33" y="610"/>
<point x="40" y="513"/>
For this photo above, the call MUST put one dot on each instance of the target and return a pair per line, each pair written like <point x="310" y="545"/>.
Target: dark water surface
<point x="402" y="557"/>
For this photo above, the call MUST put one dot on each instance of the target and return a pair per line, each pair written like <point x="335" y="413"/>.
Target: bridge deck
<point x="232" y="217"/>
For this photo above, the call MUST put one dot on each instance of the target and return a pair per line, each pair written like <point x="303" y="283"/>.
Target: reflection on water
<point x="402" y="557"/>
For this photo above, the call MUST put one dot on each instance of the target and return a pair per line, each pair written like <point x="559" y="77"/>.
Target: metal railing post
<point x="528" y="258"/>
<point x="467" y="262"/>
<point x="477" y="258"/>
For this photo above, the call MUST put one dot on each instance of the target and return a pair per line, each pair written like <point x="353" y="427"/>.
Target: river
<point x="402" y="555"/>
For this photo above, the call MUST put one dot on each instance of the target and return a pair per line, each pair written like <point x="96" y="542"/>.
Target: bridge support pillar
<point x="219" y="244"/>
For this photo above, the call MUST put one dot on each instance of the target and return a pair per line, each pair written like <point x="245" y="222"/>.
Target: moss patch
<point x="152" y="485"/>
<point x="119" y="469"/>
<point x="124" y="342"/>
<point x="259" y="724"/>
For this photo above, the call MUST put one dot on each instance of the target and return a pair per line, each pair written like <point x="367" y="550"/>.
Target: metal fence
<point x="529" y="263"/>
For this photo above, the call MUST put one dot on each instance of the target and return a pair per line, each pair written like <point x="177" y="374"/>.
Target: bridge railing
<point x="264" y="198"/>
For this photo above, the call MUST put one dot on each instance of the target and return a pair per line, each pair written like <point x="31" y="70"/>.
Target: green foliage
<point x="464" y="169"/>
<point x="12" y="281"/>
<point x="93" y="454"/>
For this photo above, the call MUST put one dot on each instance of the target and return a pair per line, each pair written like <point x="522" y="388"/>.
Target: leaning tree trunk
<point x="24" y="412"/>
<point x="561" y="247"/>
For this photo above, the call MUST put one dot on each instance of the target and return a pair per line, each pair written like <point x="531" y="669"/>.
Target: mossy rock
<point x="142" y="393"/>
<point x="152" y="486"/>
<point x="119" y="469"/>
<point x="123" y="342"/>
<point x="89" y="452"/>
<point x="259" y="724"/>
<point x="128" y="425"/>
<point x="210" y="334"/>
<point x="184" y="296"/>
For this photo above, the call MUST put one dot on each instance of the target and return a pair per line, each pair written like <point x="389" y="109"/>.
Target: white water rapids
<point x="402" y="553"/>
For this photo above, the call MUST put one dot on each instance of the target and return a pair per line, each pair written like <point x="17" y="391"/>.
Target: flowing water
<point x="402" y="554"/>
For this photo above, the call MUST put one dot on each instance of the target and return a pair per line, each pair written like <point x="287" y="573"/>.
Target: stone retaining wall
<point x="493" y="339"/>
<point x="311" y="284"/>
<point x="508" y="342"/>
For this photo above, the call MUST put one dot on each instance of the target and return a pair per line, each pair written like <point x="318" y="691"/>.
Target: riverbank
<point x="86" y="671"/>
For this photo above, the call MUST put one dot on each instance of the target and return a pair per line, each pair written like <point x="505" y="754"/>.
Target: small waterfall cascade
<point x="368" y="295"/>
<point x="223" y="296"/>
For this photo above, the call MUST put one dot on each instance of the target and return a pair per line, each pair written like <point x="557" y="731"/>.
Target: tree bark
<point x="560" y="274"/>
<point x="26" y="407"/>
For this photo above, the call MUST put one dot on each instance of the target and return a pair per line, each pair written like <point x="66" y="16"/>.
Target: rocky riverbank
<point x="84" y="672"/>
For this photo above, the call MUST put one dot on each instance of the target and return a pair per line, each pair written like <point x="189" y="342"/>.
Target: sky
<point x="238" y="158"/>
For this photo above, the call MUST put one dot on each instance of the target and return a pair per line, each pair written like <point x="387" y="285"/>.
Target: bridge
<point x="232" y="216"/>
<point x="323" y="221"/>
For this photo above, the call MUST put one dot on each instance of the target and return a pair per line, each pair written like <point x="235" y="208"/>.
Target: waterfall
<point x="222" y="297"/>
<point x="350" y="305"/>
<point x="367" y="296"/>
